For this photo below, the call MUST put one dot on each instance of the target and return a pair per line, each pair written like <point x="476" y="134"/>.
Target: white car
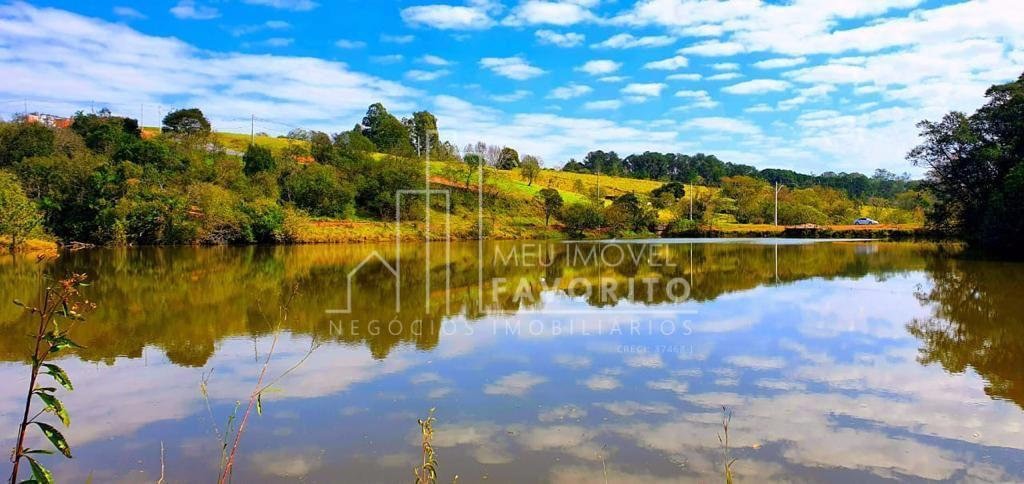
<point x="865" y="221"/>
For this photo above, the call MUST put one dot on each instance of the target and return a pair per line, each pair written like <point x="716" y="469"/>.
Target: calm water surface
<point x="840" y="362"/>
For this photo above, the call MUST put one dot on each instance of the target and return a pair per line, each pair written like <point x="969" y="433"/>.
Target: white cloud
<point x="714" y="48"/>
<point x="725" y="66"/>
<point x="278" y="42"/>
<point x="447" y="17"/>
<point x="599" y="67"/>
<point x="349" y="44"/>
<point x="568" y="39"/>
<point x="612" y="79"/>
<point x="570" y="91"/>
<point x="435" y="60"/>
<point x="780" y="62"/>
<point x="601" y="383"/>
<point x="76" y="59"/>
<point x="421" y="75"/>
<point x="189" y="9"/>
<point x="397" y="39"/>
<point x="514" y="96"/>
<point x="725" y="76"/>
<point x="684" y="77"/>
<point x="128" y="12"/>
<point x="534" y="12"/>
<point x="605" y="105"/>
<point x="628" y="41"/>
<point x="759" y="108"/>
<point x="670" y="64"/>
<point x="723" y="125"/>
<point x="296" y="5"/>
<point x="516" y="384"/>
<point x="757" y="86"/>
<point x="511" y="67"/>
<point x="652" y="89"/>
<point x="268" y="25"/>
<point x="700" y="99"/>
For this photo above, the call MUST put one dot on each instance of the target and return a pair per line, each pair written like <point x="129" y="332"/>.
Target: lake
<point x="546" y="362"/>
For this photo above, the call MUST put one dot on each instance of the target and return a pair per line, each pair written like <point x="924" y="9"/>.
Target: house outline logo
<point x="396" y="268"/>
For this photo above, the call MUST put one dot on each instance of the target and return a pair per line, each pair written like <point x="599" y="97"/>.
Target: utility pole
<point x="142" y="117"/>
<point x="252" y="130"/>
<point x="777" y="188"/>
<point x="691" y="202"/>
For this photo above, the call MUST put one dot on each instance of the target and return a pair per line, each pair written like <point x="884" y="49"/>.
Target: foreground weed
<point x="59" y="308"/>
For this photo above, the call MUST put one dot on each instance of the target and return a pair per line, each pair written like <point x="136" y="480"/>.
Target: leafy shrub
<point x="320" y="190"/>
<point x="580" y="217"/>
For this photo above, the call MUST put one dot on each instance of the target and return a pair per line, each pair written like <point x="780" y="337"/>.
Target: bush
<point x="219" y="214"/>
<point x="258" y="159"/>
<point x="22" y="140"/>
<point x="319" y="190"/>
<point x="18" y="216"/>
<point x="579" y="217"/>
<point x="266" y="220"/>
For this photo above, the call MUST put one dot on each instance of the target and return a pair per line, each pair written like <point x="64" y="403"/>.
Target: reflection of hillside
<point x="977" y="322"/>
<point x="186" y="300"/>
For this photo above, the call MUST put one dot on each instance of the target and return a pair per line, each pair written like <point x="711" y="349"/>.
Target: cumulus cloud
<point x="670" y="64"/>
<point x="562" y="13"/>
<point x="421" y="75"/>
<point x="651" y="89"/>
<point x="514" y="67"/>
<point x="128" y="12"/>
<point x="568" y="39"/>
<point x="435" y="60"/>
<point x="516" y="384"/>
<point x="606" y="105"/>
<point x="397" y="39"/>
<point x="349" y="44"/>
<point x="572" y="90"/>
<point x="189" y="9"/>
<point x="628" y="41"/>
<point x="780" y="62"/>
<point x="517" y="95"/>
<point x="757" y="86"/>
<point x="599" y="67"/>
<point x="447" y="17"/>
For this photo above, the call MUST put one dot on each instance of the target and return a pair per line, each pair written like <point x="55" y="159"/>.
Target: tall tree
<point x="976" y="170"/>
<point x="386" y="132"/>
<point x="423" y="134"/>
<point x="191" y="122"/>
<point x="258" y="159"/>
<point x="508" y="159"/>
<point x="552" y="202"/>
<point x="529" y="168"/>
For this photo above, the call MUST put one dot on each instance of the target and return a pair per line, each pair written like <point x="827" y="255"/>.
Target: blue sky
<point x="803" y="84"/>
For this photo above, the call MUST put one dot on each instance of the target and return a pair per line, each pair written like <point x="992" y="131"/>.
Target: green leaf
<point x="259" y="404"/>
<point x="60" y="342"/>
<point x="54" y="405"/>
<point x="17" y="302"/>
<point x="41" y="474"/>
<point x="38" y="451"/>
<point x="59" y="375"/>
<point x="55" y="438"/>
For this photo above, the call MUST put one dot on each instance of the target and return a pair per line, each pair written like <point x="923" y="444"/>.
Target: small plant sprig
<point x="726" y="420"/>
<point x="426" y="473"/>
<point x="59" y="302"/>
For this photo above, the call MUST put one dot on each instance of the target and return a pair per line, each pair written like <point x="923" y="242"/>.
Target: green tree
<point x="473" y="163"/>
<point x="580" y="217"/>
<point x="529" y="168"/>
<point x="976" y="170"/>
<point x="320" y="190"/>
<point x="423" y="133"/>
<point x="22" y="140"/>
<point x="508" y="159"/>
<point x="386" y="132"/>
<point x="321" y="148"/>
<point x="18" y="215"/>
<point x="552" y="202"/>
<point x="188" y="122"/>
<point x="354" y="140"/>
<point x="258" y="159"/>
